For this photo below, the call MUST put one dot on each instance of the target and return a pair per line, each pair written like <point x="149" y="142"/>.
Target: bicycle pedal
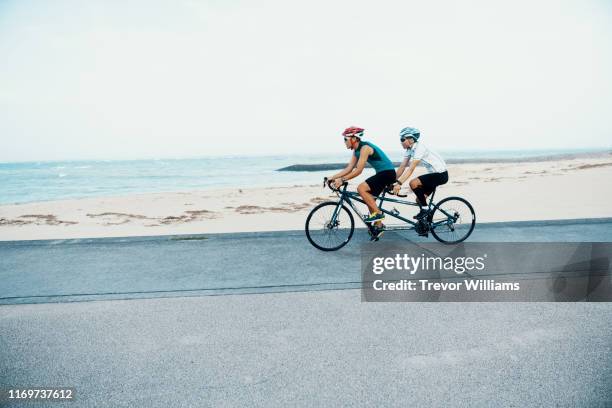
<point x="377" y="235"/>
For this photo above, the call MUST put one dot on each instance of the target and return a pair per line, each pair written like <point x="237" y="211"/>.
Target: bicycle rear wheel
<point x="453" y="220"/>
<point x="326" y="233"/>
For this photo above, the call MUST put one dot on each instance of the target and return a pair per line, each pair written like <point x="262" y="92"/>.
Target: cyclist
<point x="385" y="172"/>
<point x="416" y="153"/>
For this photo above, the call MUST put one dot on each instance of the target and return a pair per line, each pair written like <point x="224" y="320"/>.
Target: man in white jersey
<point x="415" y="154"/>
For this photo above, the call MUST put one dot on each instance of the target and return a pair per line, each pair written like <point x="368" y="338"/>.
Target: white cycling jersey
<point x="433" y="162"/>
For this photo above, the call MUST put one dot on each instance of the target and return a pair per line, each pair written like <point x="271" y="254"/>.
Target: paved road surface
<point x="309" y="346"/>
<point x="195" y="265"/>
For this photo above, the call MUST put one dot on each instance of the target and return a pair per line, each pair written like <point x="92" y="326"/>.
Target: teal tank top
<point x="378" y="159"/>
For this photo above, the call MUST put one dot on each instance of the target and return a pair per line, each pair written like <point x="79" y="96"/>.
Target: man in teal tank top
<point x="366" y="152"/>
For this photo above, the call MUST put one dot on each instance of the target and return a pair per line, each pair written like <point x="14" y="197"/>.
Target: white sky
<point x="137" y="79"/>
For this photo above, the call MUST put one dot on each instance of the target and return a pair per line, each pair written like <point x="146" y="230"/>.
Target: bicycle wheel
<point x="453" y="220"/>
<point x="326" y="235"/>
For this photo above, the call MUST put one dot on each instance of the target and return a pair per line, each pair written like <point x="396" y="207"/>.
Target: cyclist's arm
<point x="349" y="167"/>
<point x="408" y="172"/>
<point x="366" y="151"/>
<point x="401" y="168"/>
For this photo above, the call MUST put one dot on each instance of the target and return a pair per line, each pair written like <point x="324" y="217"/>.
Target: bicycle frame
<point x="349" y="196"/>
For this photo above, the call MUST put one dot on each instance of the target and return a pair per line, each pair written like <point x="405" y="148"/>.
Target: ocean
<point x="43" y="181"/>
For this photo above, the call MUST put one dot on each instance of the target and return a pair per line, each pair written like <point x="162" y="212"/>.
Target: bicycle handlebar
<point x="390" y="191"/>
<point x="329" y="184"/>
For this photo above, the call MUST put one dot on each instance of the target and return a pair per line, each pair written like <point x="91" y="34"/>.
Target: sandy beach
<point x="542" y="190"/>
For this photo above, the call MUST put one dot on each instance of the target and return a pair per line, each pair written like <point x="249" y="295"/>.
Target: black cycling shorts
<point x="432" y="180"/>
<point x="379" y="181"/>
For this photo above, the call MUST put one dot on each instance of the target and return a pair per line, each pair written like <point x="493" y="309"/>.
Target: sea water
<point x="42" y="181"/>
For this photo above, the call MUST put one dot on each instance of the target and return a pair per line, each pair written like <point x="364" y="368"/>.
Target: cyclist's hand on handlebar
<point x="396" y="188"/>
<point x="334" y="184"/>
<point x="338" y="183"/>
<point x="328" y="182"/>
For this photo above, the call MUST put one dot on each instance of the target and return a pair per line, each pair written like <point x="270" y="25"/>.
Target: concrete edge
<point x="272" y="234"/>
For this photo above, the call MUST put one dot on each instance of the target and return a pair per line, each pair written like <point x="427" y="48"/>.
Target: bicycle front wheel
<point x="329" y="227"/>
<point x="453" y="220"/>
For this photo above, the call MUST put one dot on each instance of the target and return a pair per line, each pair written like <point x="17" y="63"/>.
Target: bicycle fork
<point x="334" y="218"/>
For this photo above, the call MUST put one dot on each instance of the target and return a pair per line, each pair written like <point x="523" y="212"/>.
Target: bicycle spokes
<point x="453" y="220"/>
<point x="329" y="226"/>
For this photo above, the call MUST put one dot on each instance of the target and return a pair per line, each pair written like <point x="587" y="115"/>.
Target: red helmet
<point x="353" y="131"/>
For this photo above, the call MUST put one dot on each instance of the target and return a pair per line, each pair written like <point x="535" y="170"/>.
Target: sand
<point x="545" y="190"/>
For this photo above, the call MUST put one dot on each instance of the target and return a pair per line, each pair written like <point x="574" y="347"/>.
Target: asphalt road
<point x="196" y="265"/>
<point x="160" y="339"/>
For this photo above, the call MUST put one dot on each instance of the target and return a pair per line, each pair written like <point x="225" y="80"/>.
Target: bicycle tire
<point x="459" y="238"/>
<point x="312" y="238"/>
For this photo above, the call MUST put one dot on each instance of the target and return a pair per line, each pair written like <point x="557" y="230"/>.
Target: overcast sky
<point x="138" y="79"/>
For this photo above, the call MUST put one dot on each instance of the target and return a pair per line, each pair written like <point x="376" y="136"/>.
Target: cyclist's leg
<point x="426" y="184"/>
<point x="417" y="187"/>
<point x="371" y="188"/>
<point x="430" y="181"/>
<point x="422" y="187"/>
<point x="364" y="191"/>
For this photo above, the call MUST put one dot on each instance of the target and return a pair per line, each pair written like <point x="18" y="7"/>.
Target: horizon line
<point x="594" y="149"/>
